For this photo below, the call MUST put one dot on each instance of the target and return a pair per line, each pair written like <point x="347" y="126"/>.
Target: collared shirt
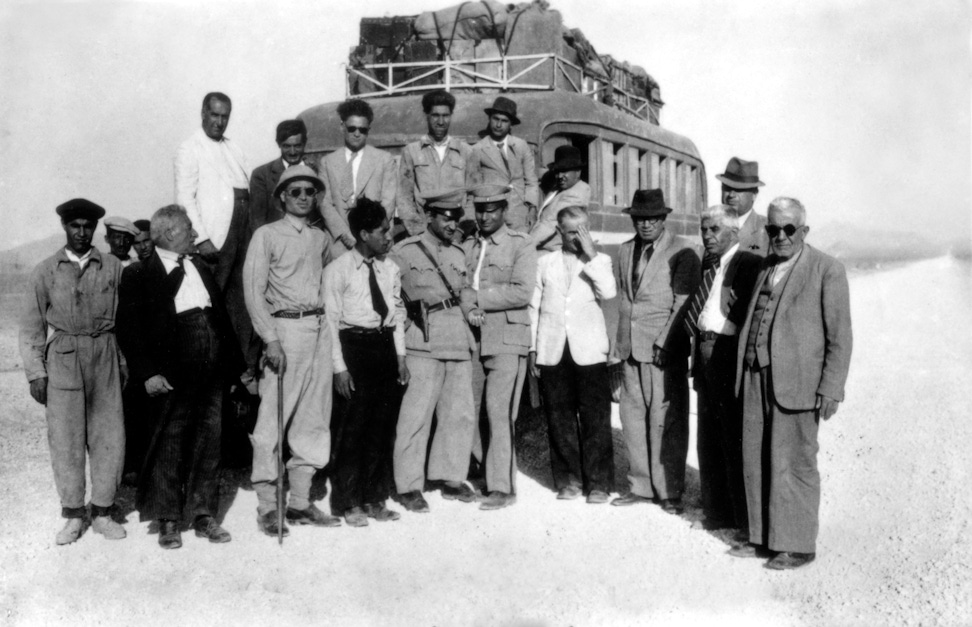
<point x="501" y="146"/>
<point x="441" y="147"/>
<point x="347" y="297"/>
<point x="82" y="261"/>
<point x="780" y="269"/>
<point x="355" y="164"/>
<point x="206" y="173"/>
<point x="712" y="317"/>
<point x="283" y="271"/>
<point x="192" y="292"/>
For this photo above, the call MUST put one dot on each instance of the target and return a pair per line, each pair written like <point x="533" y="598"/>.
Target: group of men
<point x="287" y="283"/>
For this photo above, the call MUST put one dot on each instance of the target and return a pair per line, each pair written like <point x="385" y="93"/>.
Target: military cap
<point x="121" y="225"/>
<point x="79" y="208"/>
<point x="448" y="202"/>
<point x="299" y="172"/>
<point x="490" y="193"/>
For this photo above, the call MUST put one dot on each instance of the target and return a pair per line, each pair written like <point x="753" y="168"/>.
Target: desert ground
<point x="894" y="549"/>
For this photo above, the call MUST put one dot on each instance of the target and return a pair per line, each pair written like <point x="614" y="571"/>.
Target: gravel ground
<point x="894" y="543"/>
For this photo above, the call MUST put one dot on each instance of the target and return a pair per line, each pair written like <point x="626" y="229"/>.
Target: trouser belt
<point x="294" y="315"/>
<point x="448" y="303"/>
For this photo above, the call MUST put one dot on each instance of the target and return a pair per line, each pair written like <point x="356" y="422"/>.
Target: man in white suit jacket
<point x="568" y="354"/>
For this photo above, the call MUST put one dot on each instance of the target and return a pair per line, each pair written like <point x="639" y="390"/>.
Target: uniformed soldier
<point x="502" y="265"/>
<point x="439" y="347"/>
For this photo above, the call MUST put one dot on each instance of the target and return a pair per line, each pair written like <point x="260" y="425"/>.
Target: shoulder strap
<point x="435" y="264"/>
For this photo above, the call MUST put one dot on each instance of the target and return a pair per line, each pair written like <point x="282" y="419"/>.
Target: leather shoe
<point x="461" y="492"/>
<point x="497" y="500"/>
<point x="597" y="497"/>
<point x="414" y="502"/>
<point x="268" y="524"/>
<point x="207" y="527"/>
<point x="630" y="499"/>
<point x="356" y="517"/>
<point x="311" y="516"/>
<point x="672" y="506"/>
<point x="789" y="560"/>
<point x="750" y="550"/>
<point x="169" y="535"/>
<point x="379" y="512"/>
<point x="72" y="530"/>
<point x="568" y="493"/>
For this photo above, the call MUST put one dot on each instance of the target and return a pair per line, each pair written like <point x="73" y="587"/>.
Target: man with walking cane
<point x="282" y="283"/>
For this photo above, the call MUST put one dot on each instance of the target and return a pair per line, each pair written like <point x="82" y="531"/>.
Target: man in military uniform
<point x="76" y="372"/>
<point x="439" y="347"/>
<point x="502" y="265"/>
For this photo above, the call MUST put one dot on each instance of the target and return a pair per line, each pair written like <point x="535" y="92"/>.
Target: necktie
<point x="642" y="254"/>
<point x="377" y="300"/>
<point x="479" y="264"/>
<point x="347" y="180"/>
<point x="701" y="294"/>
<point x="502" y="150"/>
<point x="177" y="275"/>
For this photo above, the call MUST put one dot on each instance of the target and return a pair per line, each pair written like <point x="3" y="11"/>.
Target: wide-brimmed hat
<point x="505" y="106"/>
<point x="741" y="174"/>
<point x="485" y="194"/>
<point x="80" y="208"/>
<point x="121" y="225"/>
<point x="448" y="202"/>
<point x="648" y="203"/>
<point x="566" y="158"/>
<point x="298" y="172"/>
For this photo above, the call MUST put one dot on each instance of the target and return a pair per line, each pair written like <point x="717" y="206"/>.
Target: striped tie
<point x="701" y="295"/>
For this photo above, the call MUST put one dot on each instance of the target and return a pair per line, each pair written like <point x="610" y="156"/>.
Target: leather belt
<point x="366" y="330"/>
<point x="710" y="335"/>
<point x="448" y="303"/>
<point x="295" y="315"/>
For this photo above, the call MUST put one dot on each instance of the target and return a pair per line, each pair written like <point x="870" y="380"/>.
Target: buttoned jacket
<point x="651" y="313"/>
<point x="421" y="173"/>
<point x="752" y="235"/>
<point x="506" y="281"/>
<point x="488" y="168"/>
<point x="567" y="309"/>
<point x="810" y="339"/>
<point x="377" y="180"/>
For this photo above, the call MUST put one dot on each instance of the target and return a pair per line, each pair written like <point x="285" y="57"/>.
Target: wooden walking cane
<point x="280" y="461"/>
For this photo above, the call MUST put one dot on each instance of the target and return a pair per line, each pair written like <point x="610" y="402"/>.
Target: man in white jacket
<point x="569" y="355"/>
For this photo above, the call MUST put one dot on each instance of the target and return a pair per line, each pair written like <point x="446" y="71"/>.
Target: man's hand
<point x="123" y="374"/>
<point x="38" y="390"/>
<point x="343" y="383"/>
<point x="532" y="364"/>
<point x="206" y="249"/>
<point x="404" y="376"/>
<point x="275" y="357"/>
<point x="586" y="242"/>
<point x="659" y="356"/>
<point x="826" y="407"/>
<point x="157" y="385"/>
<point x="477" y="317"/>
<point x="348" y="240"/>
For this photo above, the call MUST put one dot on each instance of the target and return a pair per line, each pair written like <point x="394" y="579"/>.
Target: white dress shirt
<point x="348" y="156"/>
<point x="192" y="293"/>
<point x="712" y="317"/>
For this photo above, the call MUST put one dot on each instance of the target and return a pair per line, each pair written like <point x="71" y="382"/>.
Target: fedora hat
<point x="505" y="106"/>
<point x="741" y="174"/>
<point x="298" y="172"/>
<point x="566" y="158"/>
<point x="647" y="203"/>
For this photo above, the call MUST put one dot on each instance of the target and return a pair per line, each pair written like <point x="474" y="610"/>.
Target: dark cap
<point x="79" y="208"/>
<point x="447" y="202"/>
<point x="647" y="203"/>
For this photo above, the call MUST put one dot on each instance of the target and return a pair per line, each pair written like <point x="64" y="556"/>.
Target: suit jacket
<point x="377" y="180"/>
<point x="544" y="232"/>
<point x="810" y="337"/>
<point x="147" y="324"/>
<point x="488" y="168"/>
<point x="651" y="313"/>
<point x="567" y="309"/>
<point x="752" y="235"/>
<point x="264" y="206"/>
<point x="506" y="283"/>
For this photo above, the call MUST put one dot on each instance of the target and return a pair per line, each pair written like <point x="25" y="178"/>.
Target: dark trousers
<point x="577" y="401"/>
<point x="181" y="471"/>
<point x="139" y="425"/>
<point x="229" y="276"/>
<point x="363" y="427"/>
<point x="720" y="433"/>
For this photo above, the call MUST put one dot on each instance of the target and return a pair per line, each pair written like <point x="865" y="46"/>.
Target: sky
<point x="859" y="108"/>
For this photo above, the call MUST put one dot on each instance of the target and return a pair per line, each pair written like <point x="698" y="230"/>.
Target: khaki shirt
<point x="421" y="172"/>
<point x="449" y="334"/>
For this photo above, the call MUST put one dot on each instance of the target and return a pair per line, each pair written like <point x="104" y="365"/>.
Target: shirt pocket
<point x="421" y="279"/>
<point x="100" y="295"/>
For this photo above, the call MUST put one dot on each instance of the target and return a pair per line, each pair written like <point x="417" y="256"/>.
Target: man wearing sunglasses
<point x="792" y="362"/>
<point x="284" y="296"/>
<point x="358" y="171"/>
<point x="740" y="185"/>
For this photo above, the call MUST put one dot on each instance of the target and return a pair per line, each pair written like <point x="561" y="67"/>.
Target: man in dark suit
<point x="740" y="185"/>
<point x="657" y="271"/>
<point x="715" y="312"/>
<point x="264" y="208"/>
<point x="791" y="366"/>
<point x="176" y="335"/>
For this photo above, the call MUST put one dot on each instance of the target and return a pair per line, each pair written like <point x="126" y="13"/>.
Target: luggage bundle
<point x="483" y="31"/>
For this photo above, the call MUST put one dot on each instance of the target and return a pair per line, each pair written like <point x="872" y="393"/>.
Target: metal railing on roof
<point x="515" y="73"/>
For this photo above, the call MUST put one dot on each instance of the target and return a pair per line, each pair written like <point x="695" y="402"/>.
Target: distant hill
<point x="16" y="263"/>
<point x="861" y="247"/>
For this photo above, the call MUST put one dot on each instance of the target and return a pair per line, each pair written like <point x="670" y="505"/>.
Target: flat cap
<point x="298" y="172"/>
<point x="490" y="193"/>
<point x="79" y="208"/>
<point x="122" y="225"/>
